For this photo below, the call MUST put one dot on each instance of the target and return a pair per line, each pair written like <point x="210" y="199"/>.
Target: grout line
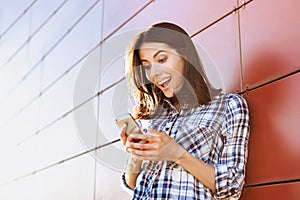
<point x="59" y="162"/>
<point x="240" y="50"/>
<point x="31" y="36"/>
<point x="269" y="82"/>
<point x="72" y="67"/>
<point x="273" y="183"/>
<point x="65" y="114"/>
<point x="17" y="19"/>
<point x="223" y="17"/>
<point x="97" y="172"/>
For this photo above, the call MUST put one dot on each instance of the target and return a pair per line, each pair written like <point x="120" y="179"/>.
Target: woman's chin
<point x="169" y="94"/>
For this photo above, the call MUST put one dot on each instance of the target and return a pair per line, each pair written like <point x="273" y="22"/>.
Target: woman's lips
<point x="164" y="83"/>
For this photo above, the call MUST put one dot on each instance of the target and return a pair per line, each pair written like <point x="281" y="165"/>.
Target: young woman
<point x="193" y="140"/>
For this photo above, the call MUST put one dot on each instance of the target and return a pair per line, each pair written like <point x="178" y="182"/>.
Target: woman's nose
<point x="155" y="70"/>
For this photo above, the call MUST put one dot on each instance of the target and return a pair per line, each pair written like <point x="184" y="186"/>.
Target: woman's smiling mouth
<point x="164" y="83"/>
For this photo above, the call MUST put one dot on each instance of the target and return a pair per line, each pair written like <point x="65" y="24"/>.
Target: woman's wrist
<point x="182" y="158"/>
<point x="132" y="170"/>
<point x="133" y="165"/>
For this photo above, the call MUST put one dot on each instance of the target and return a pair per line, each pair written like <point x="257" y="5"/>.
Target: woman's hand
<point x="124" y="137"/>
<point x="133" y="165"/>
<point x="156" y="146"/>
<point x="123" y="134"/>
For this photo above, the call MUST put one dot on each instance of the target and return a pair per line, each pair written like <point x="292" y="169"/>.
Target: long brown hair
<point x="147" y="96"/>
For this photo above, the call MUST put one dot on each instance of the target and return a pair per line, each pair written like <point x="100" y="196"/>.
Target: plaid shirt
<point x="217" y="134"/>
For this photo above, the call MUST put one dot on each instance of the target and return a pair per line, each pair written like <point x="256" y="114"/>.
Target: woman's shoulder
<point x="235" y="106"/>
<point x="231" y="99"/>
<point x="236" y="101"/>
<point x="229" y="104"/>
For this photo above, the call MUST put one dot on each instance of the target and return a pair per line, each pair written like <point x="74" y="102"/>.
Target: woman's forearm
<point x="204" y="172"/>
<point x="132" y="170"/>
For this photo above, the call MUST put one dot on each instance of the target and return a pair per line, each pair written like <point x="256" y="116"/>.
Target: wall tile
<point x="270" y="40"/>
<point x="283" y="191"/>
<point x="223" y="50"/>
<point x="274" y="152"/>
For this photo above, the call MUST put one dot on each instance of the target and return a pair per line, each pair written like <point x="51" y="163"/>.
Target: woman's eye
<point x="162" y="60"/>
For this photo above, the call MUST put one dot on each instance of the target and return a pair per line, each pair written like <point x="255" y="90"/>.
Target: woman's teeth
<point x="163" y="83"/>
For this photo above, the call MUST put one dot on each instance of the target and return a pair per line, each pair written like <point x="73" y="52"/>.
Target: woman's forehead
<point x="153" y="47"/>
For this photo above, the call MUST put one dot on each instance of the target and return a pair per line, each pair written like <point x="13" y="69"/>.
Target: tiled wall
<point x="271" y="63"/>
<point x="45" y="47"/>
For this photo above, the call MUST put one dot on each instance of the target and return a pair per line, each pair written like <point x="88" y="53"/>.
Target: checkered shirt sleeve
<point x="230" y="171"/>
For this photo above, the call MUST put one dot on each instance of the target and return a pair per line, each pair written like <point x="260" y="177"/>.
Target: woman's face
<point x="164" y="67"/>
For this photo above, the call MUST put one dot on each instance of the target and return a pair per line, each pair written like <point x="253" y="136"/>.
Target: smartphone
<point x="126" y="118"/>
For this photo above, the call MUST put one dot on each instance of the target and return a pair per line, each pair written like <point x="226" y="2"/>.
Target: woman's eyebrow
<point x="158" y="52"/>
